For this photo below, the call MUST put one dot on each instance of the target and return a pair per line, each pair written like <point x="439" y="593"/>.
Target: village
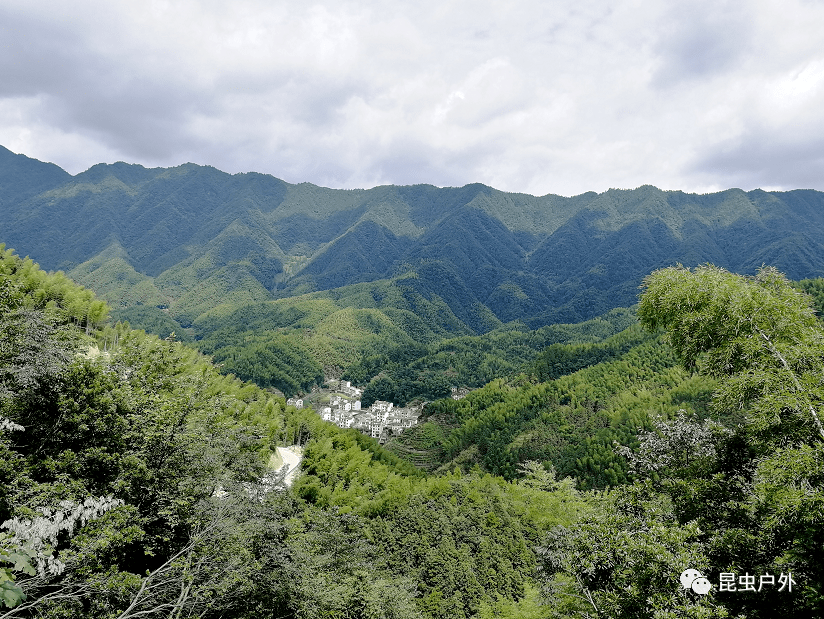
<point x="340" y="403"/>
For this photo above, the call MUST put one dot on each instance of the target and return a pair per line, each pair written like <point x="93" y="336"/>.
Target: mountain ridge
<point x="197" y="238"/>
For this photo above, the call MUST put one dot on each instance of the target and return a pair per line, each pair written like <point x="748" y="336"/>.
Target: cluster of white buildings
<point x="340" y="410"/>
<point x="381" y="420"/>
<point x="459" y="393"/>
<point x="387" y="419"/>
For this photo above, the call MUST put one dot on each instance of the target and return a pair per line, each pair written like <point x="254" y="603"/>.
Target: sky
<point x="528" y="96"/>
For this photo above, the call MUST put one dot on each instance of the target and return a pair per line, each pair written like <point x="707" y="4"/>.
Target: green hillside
<point x="190" y="240"/>
<point x="400" y="372"/>
<point x="149" y="468"/>
<point x="134" y="473"/>
<point x="570" y="423"/>
<point x="601" y="452"/>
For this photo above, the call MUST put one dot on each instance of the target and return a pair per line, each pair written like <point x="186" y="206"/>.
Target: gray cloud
<point x="133" y="109"/>
<point x="542" y="98"/>
<point x="767" y="161"/>
<point x="702" y="39"/>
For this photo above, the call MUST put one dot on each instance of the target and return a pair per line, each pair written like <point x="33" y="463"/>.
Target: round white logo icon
<point x="693" y="579"/>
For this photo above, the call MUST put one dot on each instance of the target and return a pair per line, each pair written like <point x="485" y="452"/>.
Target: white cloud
<point x="559" y="97"/>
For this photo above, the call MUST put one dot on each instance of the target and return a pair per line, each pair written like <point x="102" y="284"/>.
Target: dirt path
<point x="291" y="457"/>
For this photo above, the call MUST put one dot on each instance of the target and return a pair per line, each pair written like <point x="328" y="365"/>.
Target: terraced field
<point x="422" y="445"/>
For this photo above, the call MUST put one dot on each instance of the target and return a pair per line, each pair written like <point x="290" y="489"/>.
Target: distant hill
<point x="190" y="245"/>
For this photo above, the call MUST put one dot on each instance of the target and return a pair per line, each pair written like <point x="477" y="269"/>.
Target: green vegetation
<point x="152" y="320"/>
<point x="558" y="360"/>
<point x="134" y="484"/>
<point x="120" y="285"/>
<point x="133" y="477"/>
<point x="214" y="251"/>
<point x="401" y="373"/>
<point x="814" y="288"/>
<point x="59" y="298"/>
<point x="317" y="329"/>
<point x="742" y="497"/>
<point x="281" y="362"/>
<point x="571" y="423"/>
<point x="601" y="460"/>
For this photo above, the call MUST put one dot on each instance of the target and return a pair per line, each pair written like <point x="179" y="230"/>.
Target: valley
<point x="494" y="404"/>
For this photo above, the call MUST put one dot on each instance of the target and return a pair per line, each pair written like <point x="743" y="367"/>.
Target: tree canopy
<point x="741" y="493"/>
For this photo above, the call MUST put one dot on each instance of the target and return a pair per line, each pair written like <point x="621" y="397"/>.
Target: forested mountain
<point x="193" y="239"/>
<point x="603" y="451"/>
<point x="134" y="478"/>
<point x="133" y="483"/>
<point x="579" y="401"/>
<point x="261" y="273"/>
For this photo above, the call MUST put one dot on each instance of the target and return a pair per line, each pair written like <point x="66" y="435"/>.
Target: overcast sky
<point x="532" y="96"/>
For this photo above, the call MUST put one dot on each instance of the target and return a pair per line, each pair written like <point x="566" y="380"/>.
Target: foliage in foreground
<point x="132" y="484"/>
<point x="745" y="499"/>
<point x="132" y="481"/>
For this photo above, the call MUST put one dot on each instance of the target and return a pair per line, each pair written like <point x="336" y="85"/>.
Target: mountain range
<point x="481" y="509"/>
<point x="188" y="243"/>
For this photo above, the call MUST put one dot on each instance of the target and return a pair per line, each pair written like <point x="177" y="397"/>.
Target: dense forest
<point x="134" y="483"/>
<point x="244" y="264"/>
<point x="135" y="478"/>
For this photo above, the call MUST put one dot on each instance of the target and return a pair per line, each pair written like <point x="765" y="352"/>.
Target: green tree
<point x="624" y="561"/>
<point x="762" y="501"/>
<point x="741" y="491"/>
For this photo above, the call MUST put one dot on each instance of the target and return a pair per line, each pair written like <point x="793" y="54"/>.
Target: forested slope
<point x="130" y="465"/>
<point x="399" y="372"/>
<point x="598" y="395"/>
<point x="133" y="483"/>
<point x="738" y="502"/>
<point x="179" y="248"/>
